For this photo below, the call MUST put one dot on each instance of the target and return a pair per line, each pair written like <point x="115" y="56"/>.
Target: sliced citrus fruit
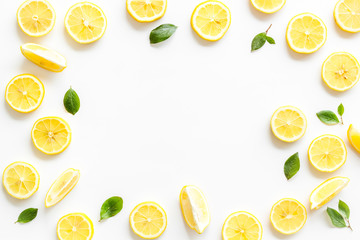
<point x="346" y="15"/>
<point x="288" y="216"/>
<point x="211" y="20"/>
<point x="51" y="135"/>
<point x="288" y="124"/>
<point x="36" y="18"/>
<point x="194" y="208"/>
<point x="21" y="180"/>
<point x="85" y="22"/>
<point x="268" y="6"/>
<point x="306" y="33"/>
<point x="146" y="10"/>
<point x="326" y="191"/>
<point x="75" y="226"/>
<point x="354" y="137"/>
<point x="241" y="226"/>
<point x="148" y="220"/>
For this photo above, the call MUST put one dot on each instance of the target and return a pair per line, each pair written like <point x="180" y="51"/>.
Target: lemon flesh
<point x="268" y="6"/>
<point x="75" y="226"/>
<point x="354" y="137"/>
<point x="242" y="225"/>
<point x="346" y="15"/>
<point x="146" y="10"/>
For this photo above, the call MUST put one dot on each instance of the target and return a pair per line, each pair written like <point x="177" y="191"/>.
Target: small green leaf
<point x="270" y="40"/>
<point x="258" y="41"/>
<point x="27" y="215"/>
<point x="162" y="33"/>
<point x="341" y="109"/>
<point x="71" y="101"/>
<point x="336" y="218"/>
<point x="344" y="209"/>
<point x="328" y="117"/>
<point x="111" y="207"/>
<point x="292" y="166"/>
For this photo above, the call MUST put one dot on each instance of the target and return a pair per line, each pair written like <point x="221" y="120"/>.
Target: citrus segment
<point x="241" y="226"/>
<point x="346" y="15"/>
<point x="146" y="10"/>
<point x="354" y="137"/>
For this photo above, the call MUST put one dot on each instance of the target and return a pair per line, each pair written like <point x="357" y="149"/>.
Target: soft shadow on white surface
<point x="78" y="46"/>
<point x="203" y="42"/>
<point x="277" y="234"/>
<point x="330" y="91"/>
<point x="342" y="33"/>
<point x="277" y="142"/>
<point x="40" y="155"/>
<point x="259" y="15"/>
<point x="14" y="114"/>
<point x="137" y="25"/>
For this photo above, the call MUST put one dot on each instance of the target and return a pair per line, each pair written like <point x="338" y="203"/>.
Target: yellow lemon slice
<point x="327" y="153"/>
<point x="62" y="187"/>
<point x="24" y="93"/>
<point x="194" y="208"/>
<point x="326" y="191"/>
<point x="146" y="10"/>
<point x="51" y="135"/>
<point x="346" y="15"/>
<point x="211" y="20"/>
<point x="75" y="226"/>
<point x="241" y="226"/>
<point x="306" y="33"/>
<point x="288" y="216"/>
<point x="288" y="124"/>
<point x="85" y="22"/>
<point x="354" y="137"/>
<point x="268" y="6"/>
<point x="36" y="18"/>
<point x="148" y="220"/>
<point x="21" y="180"/>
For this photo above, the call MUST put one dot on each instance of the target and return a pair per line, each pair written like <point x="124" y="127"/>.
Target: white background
<point x="186" y="111"/>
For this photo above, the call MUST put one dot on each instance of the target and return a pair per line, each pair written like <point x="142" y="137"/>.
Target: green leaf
<point x="292" y="166"/>
<point x="336" y="218"/>
<point x="270" y="40"/>
<point x="341" y="109"/>
<point x="162" y="33"/>
<point x="328" y="117"/>
<point x="27" y="215"/>
<point x="111" y="207"/>
<point x="71" y="101"/>
<point x="344" y="209"/>
<point x="258" y="41"/>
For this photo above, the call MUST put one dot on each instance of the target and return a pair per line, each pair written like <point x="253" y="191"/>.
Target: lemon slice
<point x="211" y="20"/>
<point x="62" y="187"/>
<point x="21" y="180"/>
<point x="354" y="137"/>
<point x="241" y="226"/>
<point x="44" y="57"/>
<point x="326" y="191"/>
<point x="346" y="15"/>
<point x="148" y="220"/>
<point x="146" y="10"/>
<point x="36" y="18"/>
<point x="306" y="33"/>
<point x="24" y="93"/>
<point x="327" y="153"/>
<point x="85" y="22"/>
<point x="268" y="6"/>
<point x="288" y="216"/>
<point x="341" y="71"/>
<point x="288" y="124"/>
<point x="194" y="208"/>
<point x="75" y="226"/>
<point x="51" y="135"/>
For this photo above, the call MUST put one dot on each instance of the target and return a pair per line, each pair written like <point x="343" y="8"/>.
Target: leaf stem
<point x="268" y="28"/>
<point x="348" y="222"/>
<point x="342" y="121"/>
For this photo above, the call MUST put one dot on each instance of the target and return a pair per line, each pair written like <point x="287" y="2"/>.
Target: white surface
<point x="155" y="118"/>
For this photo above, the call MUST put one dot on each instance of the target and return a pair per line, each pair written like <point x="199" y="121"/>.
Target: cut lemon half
<point x="327" y="153"/>
<point x="148" y="220"/>
<point x="195" y="208"/>
<point x="306" y="33"/>
<point x="346" y="15"/>
<point x="326" y="191"/>
<point x="354" y="137"/>
<point x="288" y="124"/>
<point x="288" y="216"/>
<point x="24" y="93"/>
<point x="75" y="226"/>
<point x="85" y="22"/>
<point x="241" y="226"/>
<point x="340" y="71"/>
<point x="62" y="187"/>
<point x="268" y="6"/>
<point x="146" y="10"/>
<point x="21" y="180"/>
<point x="36" y="18"/>
<point x="51" y="135"/>
<point x="211" y="20"/>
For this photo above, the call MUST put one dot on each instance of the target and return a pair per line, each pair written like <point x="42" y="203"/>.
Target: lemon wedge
<point x="354" y="137"/>
<point x="146" y="10"/>
<point x="242" y="226"/>
<point x="268" y="6"/>
<point x="75" y="226"/>
<point x="346" y="15"/>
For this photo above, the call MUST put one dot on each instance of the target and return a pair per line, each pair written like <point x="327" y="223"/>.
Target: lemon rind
<point x="146" y="19"/>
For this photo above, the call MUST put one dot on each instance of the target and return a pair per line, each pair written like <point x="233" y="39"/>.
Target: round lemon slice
<point x="242" y="225"/>
<point x="326" y="191"/>
<point x="36" y="18"/>
<point x="51" y="135"/>
<point x="211" y="20"/>
<point x="85" y="22"/>
<point x="195" y="208"/>
<point x="148" y="220"/>
<point x="306" y="33"/>
<point x="354" y="137"/>
<point x="146" y="10"/>
<point x="75" y="226"/>
<point x="346" y="15"/>
<point x="268" y="6"/>
<point x="21" y="180"/>
<point x="288" y="216"/>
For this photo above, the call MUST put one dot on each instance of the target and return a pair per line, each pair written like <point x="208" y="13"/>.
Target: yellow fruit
<point x="148" y="220"/>
<point x="288" y="216"/>
<point x="21" y="180"/>
<point x="354" y="137"/>
<point x="146" y="10"/>
<point x="346" y="15"/>
<point x="268" y="6"/>
<point x="24" y="93"/>
<point x="211" y="20"/>
<point x="85" y="22"/>
<point x="288" y="124"/>
<point x="36" y="18"/>
<point x="194" y="208"/>
<point x="51" y="135"/>
<point x="75" y="226"/>
<point x="306" y="33"/>
<point x="242" y="226"/>
<point x="326" y="191"/>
